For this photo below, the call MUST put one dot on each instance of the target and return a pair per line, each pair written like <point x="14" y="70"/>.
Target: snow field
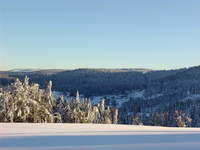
<point x="25" y="136"/>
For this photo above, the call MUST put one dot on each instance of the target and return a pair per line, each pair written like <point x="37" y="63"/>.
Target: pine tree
<point x="115" y="116"/>
<point x="22" y="102"/>
<point x="77" y="99"/>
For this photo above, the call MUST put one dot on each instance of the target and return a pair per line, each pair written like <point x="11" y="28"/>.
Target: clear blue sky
<point x="157" y="34"/>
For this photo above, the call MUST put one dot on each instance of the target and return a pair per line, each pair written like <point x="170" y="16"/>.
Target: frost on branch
<point x="22" y="102"/>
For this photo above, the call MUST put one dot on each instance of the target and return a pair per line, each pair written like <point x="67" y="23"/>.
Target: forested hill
<point x="88" y="81"/>
<point x="111" y="81"/>
<point x="161" y="98"/>
<point x="186" y="81"/>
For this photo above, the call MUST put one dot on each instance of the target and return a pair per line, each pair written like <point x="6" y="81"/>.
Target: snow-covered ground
<point x="18" y="136"/>
<point x="192" y="97"/>
<point x="119" y="98"/>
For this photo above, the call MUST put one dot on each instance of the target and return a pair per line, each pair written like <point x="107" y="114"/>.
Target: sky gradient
<point x="65" y="34"/>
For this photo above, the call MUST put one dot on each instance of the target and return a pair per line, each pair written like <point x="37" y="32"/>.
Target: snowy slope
<point x="96" y="137"/>
<point x="120" y="98"/>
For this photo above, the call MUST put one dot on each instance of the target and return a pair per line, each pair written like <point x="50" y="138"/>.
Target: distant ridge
<point x="22" y="70"/>
<point x="52" y="71"/>
<point x="42" y="71"/>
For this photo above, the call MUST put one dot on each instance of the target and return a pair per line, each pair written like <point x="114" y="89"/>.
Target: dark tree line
<point x="182" y="113"/>
<point x="171" y="98"/>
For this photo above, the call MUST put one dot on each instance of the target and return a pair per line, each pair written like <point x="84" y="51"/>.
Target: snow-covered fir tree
<point x="24" y="102"/>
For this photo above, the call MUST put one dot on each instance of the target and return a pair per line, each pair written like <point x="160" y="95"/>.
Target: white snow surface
<point x="119" y="98"/>
<point x="192" y="97"/>
<point x="28" y="136"/>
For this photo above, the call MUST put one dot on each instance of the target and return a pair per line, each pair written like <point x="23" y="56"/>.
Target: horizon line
<point x="39" y="69"/>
